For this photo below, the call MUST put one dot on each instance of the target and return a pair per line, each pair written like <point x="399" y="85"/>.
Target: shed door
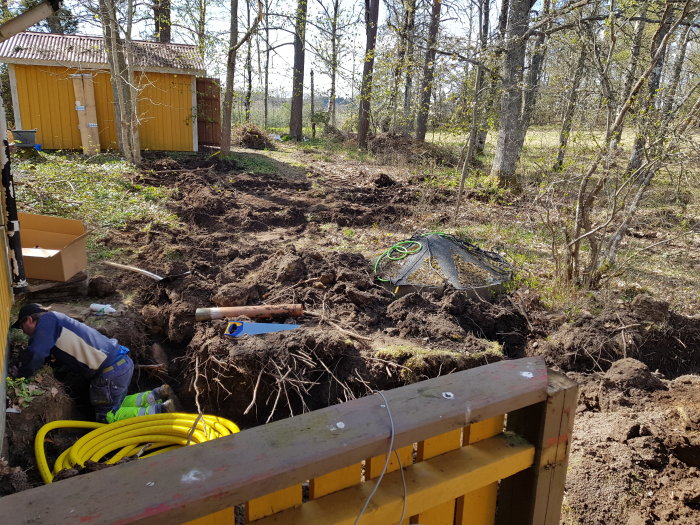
<point x="209" y="111"/>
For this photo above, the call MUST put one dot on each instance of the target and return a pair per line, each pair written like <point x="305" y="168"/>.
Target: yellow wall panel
<point x="47" y="102"/>
<point x="104" y="104"/>
<point x="165" y="110"/>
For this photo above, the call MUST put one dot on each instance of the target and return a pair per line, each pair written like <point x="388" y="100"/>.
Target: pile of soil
<point x="635" y="457"/>
<point x="251" y="136"/>
<point x="393" y="145"/>
<point x="646" y="330"/>
<point x="249" y="239"/>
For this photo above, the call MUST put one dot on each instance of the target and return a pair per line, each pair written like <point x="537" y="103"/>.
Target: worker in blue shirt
<point x="103" y="361"/>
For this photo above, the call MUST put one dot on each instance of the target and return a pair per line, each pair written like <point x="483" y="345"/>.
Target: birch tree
<point x="120" y="58"/>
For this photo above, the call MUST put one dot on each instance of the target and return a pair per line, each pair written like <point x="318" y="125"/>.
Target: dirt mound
<point x="333" y="133"/>
<point x="252" y="137"/>
<point x="410" y="149"/>
<point x="12" y="479"/>
<point x="636" y="462"/>
<point x="252" y="380"/>
<point x="647" y="331"/>
<point x="33" y="403"/>
<point x="630" y="373"/>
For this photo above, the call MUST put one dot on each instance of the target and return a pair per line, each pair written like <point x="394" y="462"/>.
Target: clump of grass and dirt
<point x="306" y="229"/>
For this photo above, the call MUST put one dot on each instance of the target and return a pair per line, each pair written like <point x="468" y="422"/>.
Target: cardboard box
<point x="53" y="248"/>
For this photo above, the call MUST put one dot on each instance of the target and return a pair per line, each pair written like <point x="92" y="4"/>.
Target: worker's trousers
<point x="108" y="389"/>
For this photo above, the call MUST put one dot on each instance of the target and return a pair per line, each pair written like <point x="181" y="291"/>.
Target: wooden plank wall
<point x="209" y="111"/>
<point x="165" y="110"/>
<point x="47" y="103"/>
<point x="6" y="300"/>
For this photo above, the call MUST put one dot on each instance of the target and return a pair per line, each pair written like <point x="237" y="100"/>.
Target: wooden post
<point x="84" y="90"/>
<point x="534" y="496"/>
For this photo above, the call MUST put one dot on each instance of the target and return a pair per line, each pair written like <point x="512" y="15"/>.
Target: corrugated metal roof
<point x="88" y="51"/>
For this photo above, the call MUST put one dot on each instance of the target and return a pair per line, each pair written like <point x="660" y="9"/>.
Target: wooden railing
<point x="487" y="445"/>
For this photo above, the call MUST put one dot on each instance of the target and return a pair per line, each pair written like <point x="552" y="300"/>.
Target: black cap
<point x="26" y="311"/>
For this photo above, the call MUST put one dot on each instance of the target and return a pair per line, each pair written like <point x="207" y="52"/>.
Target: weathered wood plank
<point x="195" y="481"/>
<point x="223" y="517"/>
<point x="556" y="443"/>
<point x="374" y="465"/>
<point x="442" y="478"/>
<point x="534" y="496"/>
<point x="335" y="481"/>
<point x="271" y="503"/>
<point x="479" y="507"/>
<point x="444" y="512"/>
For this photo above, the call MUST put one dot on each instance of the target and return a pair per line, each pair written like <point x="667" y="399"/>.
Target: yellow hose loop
<point x="115" y="441"/>
<point x="41" y="462"/>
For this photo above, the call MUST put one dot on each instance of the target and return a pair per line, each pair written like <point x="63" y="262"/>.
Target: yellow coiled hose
<point x="143" y="435"/>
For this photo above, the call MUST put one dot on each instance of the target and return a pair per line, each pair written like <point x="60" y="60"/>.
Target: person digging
<point x="81" y="348"/>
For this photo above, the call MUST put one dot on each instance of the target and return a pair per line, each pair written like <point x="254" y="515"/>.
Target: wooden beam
<point x="479" y="506"/>
<point x="534" y="496"/>
<point x="84" y="90"/>
<point x="271" y="503"/>
<point x="194" y="481"/>
<point x="440" y="479"/>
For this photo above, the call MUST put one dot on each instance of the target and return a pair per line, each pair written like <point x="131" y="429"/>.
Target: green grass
<point x="99" y="192"/>
<point x="255" y="164"/>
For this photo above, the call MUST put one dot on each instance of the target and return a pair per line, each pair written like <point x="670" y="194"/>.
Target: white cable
<point x="405" y="489"/>
<point x="386" y="463"/>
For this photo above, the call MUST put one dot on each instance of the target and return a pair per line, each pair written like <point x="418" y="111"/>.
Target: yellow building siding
<point x="47" y="103"/>
<point x="6" y="297"/>
<point x="165" y="110"/>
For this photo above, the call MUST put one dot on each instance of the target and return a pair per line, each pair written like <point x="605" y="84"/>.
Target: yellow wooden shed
<point x="55" y="77"/>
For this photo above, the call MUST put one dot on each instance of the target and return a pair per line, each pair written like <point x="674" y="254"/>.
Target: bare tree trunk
<point x="228" y="89"/>
<point x="568" y="119"/>
<point x="266" y="95"/>
<point x="532" y="80"/>
<point x="510" y="128"/>
<point x="133" y="90"/>
<point x="248" y="68"/>
<point x="398" y="68"/>
<point x="670" y="95"/>
<point x="494" y="77"/>
<point x="201" y="25"/>
<point x="428" y="72"/>
<point x="296" y="117"/>
<point x="334" y="63"/>
<point x="119" y="76"/>
<point x="161" y="17"/>
<point x="477" y="123"/>
<point x="632" y="65"/>
<point x="371" y="18"/>
<point x="647" y="105"/>
<point x="55" y="25"/>
<point x="408" y="58"/>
